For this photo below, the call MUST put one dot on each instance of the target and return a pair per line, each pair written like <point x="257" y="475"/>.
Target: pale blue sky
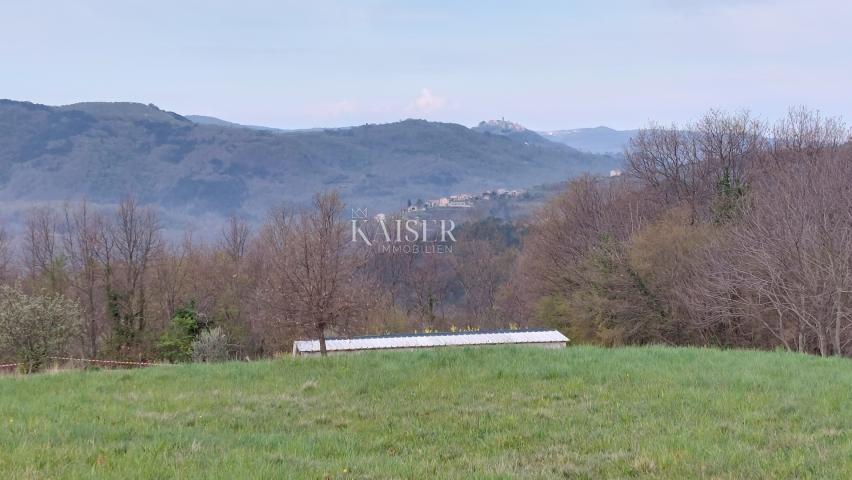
<point x="547" y="65"/>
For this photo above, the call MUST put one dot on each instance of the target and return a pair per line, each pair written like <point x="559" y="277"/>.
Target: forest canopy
<point x="727" y="231"/>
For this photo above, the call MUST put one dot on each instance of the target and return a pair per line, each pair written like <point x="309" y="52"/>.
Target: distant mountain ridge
<point x="207" y="120"/>
<point x="600" y="140"/>
<point x="102" y="151"/>
<point x="595" y="140"/>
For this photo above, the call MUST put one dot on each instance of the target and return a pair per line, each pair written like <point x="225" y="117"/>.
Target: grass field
<point x="457" y="413"/>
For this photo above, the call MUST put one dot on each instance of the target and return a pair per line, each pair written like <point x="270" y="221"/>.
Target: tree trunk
<point x="93" y="323"/>
<point x="838" y="321"/>
<point x="800" y="335"/>
<point x="321" y="333"/>
<point x="823" y="342"/>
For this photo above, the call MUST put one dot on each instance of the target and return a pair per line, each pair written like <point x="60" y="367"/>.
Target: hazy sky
<point x="547" y="65"/>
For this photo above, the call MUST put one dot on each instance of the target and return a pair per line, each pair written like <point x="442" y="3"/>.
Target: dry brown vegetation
<point x="724" y="232"/>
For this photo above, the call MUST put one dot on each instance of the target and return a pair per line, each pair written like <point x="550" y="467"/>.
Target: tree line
<point x="727" y="231"/>
<point x="131" y="293"/>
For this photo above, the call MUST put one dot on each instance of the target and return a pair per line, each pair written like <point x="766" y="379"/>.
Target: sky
<point x="326" y="63"/>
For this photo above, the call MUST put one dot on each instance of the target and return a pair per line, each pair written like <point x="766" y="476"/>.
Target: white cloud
<point x="428" y="102"/>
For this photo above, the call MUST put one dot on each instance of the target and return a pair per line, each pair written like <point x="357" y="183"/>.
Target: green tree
<point x="176" y="343"/>
<point x="729" y="195"/>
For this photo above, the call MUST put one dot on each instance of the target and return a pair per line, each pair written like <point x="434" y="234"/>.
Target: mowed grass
<point x="492" y="412"/>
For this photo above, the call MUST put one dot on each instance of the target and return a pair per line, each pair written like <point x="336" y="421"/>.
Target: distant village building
<point x="468" y="200"/>
<point x="615" y="173"/>
<point x="462" y="197"/>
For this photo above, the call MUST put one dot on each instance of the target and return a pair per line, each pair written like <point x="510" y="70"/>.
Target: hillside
<point x="595" y="140"/>
<point x="207" y="120"/>
<point x="463" y="413"/>
<point x="103" y="151"/>
<point x="511" y="130"/>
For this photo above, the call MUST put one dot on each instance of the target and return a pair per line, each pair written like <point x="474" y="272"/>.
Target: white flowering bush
<point x="35" y="327"/>
<point x="210" y="346"/>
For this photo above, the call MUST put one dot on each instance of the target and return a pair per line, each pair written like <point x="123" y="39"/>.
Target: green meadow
<point x="580" y="412"/>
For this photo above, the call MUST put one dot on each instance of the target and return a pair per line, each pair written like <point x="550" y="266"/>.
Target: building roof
<point x="441" y="339"/>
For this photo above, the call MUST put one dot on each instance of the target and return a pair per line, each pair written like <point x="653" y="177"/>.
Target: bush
<point x="210" y="346"/>
<point x="176" y="343"/>
<point x="35" y="327"/>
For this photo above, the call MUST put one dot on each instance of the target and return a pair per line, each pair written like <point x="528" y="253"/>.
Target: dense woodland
<point x="727" y="232"/>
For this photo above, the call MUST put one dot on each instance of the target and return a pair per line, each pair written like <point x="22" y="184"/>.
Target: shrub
<point x="176" y="343"/>
<point x="35" y="327"/>
<point x="210" y="346"/>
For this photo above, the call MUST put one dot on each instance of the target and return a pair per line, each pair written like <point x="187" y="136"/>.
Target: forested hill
<point x="103" y="151"/>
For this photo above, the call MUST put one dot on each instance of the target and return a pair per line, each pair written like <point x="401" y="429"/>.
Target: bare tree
<point x="730" y="145"/>
<point x="790" y="264"/>
<point x="235" y="238"/>
<point x="669" y="162"/>
<point x="80" y="241"/>
<point x="315" y="267"/>
<point x="5" y="255"/>
<point x="391" y="268"/>
<point x="805" y="135"/>
<point x="481" y="270"/>
<point x="429" y="282"/>
<point x="43" y="254"/>
<point x="135" y="240"/>
<point x="691" y="164"/>
<point x="171" y="274"/>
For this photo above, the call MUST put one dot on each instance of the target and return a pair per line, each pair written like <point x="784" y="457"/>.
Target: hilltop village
<point x="464" y="200"/>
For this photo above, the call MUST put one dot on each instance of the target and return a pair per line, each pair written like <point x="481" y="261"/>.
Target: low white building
<point x="536" y="338"/>
<point x="461" y="197"/>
